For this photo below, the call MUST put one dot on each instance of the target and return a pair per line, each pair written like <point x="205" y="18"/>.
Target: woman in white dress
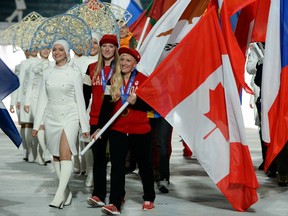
<point x="61" y="105"/>
<point x="31" y="99"/>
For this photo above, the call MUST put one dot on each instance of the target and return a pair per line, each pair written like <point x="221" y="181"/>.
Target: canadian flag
<point x="194" y="89"/>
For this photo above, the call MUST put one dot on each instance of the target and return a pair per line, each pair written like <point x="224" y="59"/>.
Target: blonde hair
<point x="116" y="83"/>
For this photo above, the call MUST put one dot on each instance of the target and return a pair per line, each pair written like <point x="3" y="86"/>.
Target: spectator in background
<point x="20" y="7"/>
<point x="126" y="37"/>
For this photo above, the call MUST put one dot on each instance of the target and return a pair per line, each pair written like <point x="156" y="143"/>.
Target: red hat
<point x="109" y="38"/>
<point x="131" y="52"/>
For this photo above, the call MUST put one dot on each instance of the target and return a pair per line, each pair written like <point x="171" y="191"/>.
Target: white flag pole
<point x="143" y="33"/>
<point x="105" y="127"/>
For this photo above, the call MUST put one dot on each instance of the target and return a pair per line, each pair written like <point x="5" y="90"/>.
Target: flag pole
<point x="143" y="33"/>
<point x="105" y="127"/>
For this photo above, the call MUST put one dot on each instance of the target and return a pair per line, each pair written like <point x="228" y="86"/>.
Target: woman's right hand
<point x="12" y="110"/>
<point x="93" y="136"/>
<point x="34" y="133"/>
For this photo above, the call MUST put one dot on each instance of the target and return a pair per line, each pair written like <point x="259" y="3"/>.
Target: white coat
<point x="61" y="104"/>
<point x="25" y="67"/>
<point x="33" y="84"/>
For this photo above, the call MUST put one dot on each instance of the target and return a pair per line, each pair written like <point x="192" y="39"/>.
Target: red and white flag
<point x="194" y="89"/>
<point x="261" y="20"/>
<point x="227" y="8"/>
<point x="157" y="38"/>
<point x="274" y="87"/>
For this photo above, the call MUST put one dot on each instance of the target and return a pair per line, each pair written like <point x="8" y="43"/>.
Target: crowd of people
<point x="62" y="104"/>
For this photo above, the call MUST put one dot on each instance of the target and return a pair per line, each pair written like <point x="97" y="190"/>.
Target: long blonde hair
<point x="116" y="83"/>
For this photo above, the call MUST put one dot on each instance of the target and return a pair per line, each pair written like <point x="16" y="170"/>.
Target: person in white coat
<point x="85" y="163"/>
<point x="25" y="118"/>
<point x="31" y="98"/>
<point x="61" y="104"/>
<point x="20" y="7"/>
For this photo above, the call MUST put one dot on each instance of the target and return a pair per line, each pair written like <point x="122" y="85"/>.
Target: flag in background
<point x="157" y="38"/>
<point x="274" y="123"/>
<point x="261" y="19"/>
<point x="138" y="25"/>
<point x="201" y="102"/>
<point x="244" y="26"/>
<point x="8" y="80"/>
<point x="131" y="6"/>
<point x="187" y="21"/>
<point x="227" y="9"/>
<point x="159" y="8"/>
<point x="8" y="83"/>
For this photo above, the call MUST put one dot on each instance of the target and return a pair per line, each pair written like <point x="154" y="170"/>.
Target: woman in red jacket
<point x="130" y="129"/>
<point x="98" y="74"/>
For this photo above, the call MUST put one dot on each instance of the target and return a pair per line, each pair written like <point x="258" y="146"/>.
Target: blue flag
<point x="8" y="83"/>
<point x="8" y="80"/>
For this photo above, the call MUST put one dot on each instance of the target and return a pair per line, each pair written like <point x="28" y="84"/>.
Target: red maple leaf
<point x="217" y="112"/>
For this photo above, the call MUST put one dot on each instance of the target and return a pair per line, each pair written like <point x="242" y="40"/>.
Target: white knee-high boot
<point x="45" y="153"/>
<point x="89" y="168"/>
<point x="32" y="151"/>
<point x="20" y="15"/>
<point x="68" y="193"/>
<point x="66" y="167"/>
<point x="24" y="144"/>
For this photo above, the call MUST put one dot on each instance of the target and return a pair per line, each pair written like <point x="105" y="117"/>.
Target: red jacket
<point x="136" y="121"/>
<point x="97" y="92"/>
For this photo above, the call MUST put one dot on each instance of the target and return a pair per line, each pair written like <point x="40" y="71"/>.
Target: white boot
<point x="89" y="168"/>
<point x="20" y="15"/>
<point x="68" y="193"/>
<point x="66" y="167"/>
<point x="24" y="144"/>
<point x="76" y="162"/>
<point x="45" y="153"/>
<point x="29" y="142"/>
<point x="39" y="159"/>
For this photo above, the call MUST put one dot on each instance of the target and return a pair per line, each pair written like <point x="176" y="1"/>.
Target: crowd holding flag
<point x="202" y="105"/>
<point x="8" y="83"/>
<point x="274" y="93"/>
<point x="201" y="100"/>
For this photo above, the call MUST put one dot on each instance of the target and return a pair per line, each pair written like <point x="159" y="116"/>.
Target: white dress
<point x="61" y="104"/>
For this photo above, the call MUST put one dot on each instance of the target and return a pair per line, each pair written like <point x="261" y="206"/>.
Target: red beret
<point x="131" y="52"/>
<point x="109" y="38"/>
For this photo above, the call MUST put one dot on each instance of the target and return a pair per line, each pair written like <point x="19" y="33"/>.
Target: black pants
<point x="273" y="165"/>
<point x="282" y="161"/>
<point x="142" y="148"/>
<point x="161" y="138"/>
<point x="99" y="164"/>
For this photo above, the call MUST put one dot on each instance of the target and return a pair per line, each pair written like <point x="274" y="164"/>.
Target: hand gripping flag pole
<point x="105" y="127"/>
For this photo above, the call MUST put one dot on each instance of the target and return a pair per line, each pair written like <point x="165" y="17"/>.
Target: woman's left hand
<point x="132" y="98"/>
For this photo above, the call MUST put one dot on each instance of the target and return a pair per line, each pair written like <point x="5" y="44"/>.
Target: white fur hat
<point x="96" y="35"/>
<point x="66" y="46"/>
